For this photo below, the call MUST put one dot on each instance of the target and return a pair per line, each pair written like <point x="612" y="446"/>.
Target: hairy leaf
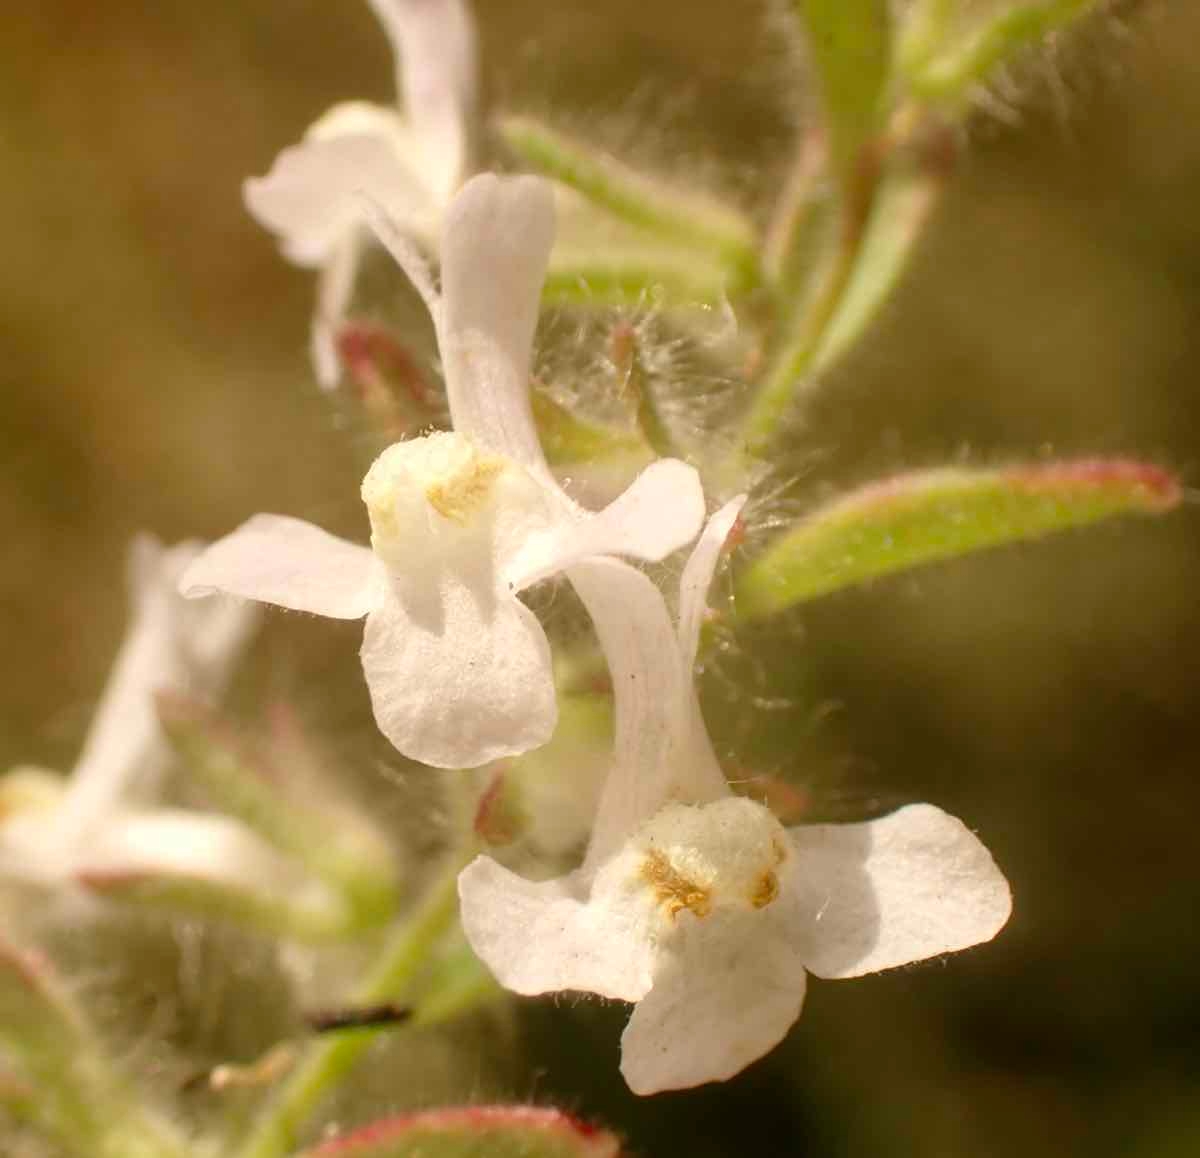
<point x="925" y="516"/>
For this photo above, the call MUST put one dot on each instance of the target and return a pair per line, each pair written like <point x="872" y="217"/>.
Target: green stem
<point x="949" y="77"/>
<point x="328" y="1060"/>
<point x="924" y="33"/>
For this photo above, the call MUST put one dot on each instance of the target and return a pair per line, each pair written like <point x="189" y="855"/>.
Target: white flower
<point x="98" y="820"/>
<point x="413" y="161"/>
<point x="698" y="905"/>
<point x="458" y="668"/>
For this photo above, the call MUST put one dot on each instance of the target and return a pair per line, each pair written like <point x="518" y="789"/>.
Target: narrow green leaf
<point x="850" y="45"/>
<point x="949" y="77"/>
<point x="475" y="1132"/>
<point x="662" y="210"/>
<point x="306" y="822"/>
<point x="310" y="912"/>
<point x="925" y="516"/>
<point x="902" y="206"/>
<point x="651" y="277"/>
<point x="567" y="438"/>
<point x="853" y="275"/>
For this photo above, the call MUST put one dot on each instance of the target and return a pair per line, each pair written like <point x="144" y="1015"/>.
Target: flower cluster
<point x="696" y="905"/>
<point x="692" y="902"/>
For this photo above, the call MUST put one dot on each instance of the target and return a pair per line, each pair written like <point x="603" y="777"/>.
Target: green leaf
<point x="475" y="1132"/>
<point x="925" y="516"/>
<point x="567" y="438"/>
<point x="850" y="46"/>
<point x="308" y="822"/>
<point x="661" y="210"/>
<point x="850" y="282"/>
<point x="902" y="205"/>
<point x="310" y="913"/>
<point x="949" y="77"/>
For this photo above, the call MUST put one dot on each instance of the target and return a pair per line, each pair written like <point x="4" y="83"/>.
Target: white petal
<point x="335" y="287"/>
<point x="285" y="561"/>
<point x="435" y="46"/>
<point x="725" y="992"/>
<point x="461" y="678"/>
<point x="310" y="196"/>
<point x="539" y="938"/>
<point x="189" y="844"/>
<point x="891" y="891"/>
<point x="391" y="233"/>
<point x="169" y="644"/>
<point x="698" y="575"/>
<point x="659" y="512"/>
<point x="495" y="245"/>
<point x="639" y="643"/>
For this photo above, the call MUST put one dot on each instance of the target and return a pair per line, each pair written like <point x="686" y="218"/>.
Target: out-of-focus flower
<point x="698" y="905"/>
<point x="457" y="666"/>
<point x="413" y="159"/>
<point x="97" y="820"/>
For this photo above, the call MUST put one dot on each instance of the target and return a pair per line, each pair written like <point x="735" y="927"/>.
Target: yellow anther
<point x="766" y="890"/>
<point x="673" y="890"/>
<point x="459" y="495"/>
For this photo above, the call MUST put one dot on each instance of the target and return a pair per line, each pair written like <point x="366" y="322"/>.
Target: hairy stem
<point x="327" y="1061"/>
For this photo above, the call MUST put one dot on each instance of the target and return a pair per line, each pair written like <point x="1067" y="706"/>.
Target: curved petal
<point x="335" y="287"/>
<point x="285" y="561"/>
<point x="169" y="644"/>
<point x="660" y="511"/>
<point x="639" y="643"/>
<point x="309" y="198"/>
<point x="698" y="576"/>
<point x="539" y="938"/>
<point x="895" y="890"/>
<point x="495" y="245"/>
<point x="390" y="233"/>
<point x="435" y="46"/>
<point x="461" y="681"/>
<point x="725" y="992"/>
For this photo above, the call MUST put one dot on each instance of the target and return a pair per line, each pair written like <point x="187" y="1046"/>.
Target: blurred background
<point x="155" y="375"/>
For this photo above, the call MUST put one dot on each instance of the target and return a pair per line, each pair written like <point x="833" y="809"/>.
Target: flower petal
<point x="639" y="643"/>
<point x="435" y="46"/>
<point x="335" y="287"/>
<point x="895" y="890"/>
<point x="537" y="937"/>
<point x="495" y="246"/>
<point x="169" y="644"/>
<point x="309" y="198"/>
<point x="461" y="679"/>
<point x="698" y="576"/>
<point x="285" y="561"/>
<point x="660" y="511"/>
<point x="725" y="992"/>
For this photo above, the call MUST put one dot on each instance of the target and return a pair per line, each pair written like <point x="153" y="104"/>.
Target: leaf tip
<point x="1144" y="485"/>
